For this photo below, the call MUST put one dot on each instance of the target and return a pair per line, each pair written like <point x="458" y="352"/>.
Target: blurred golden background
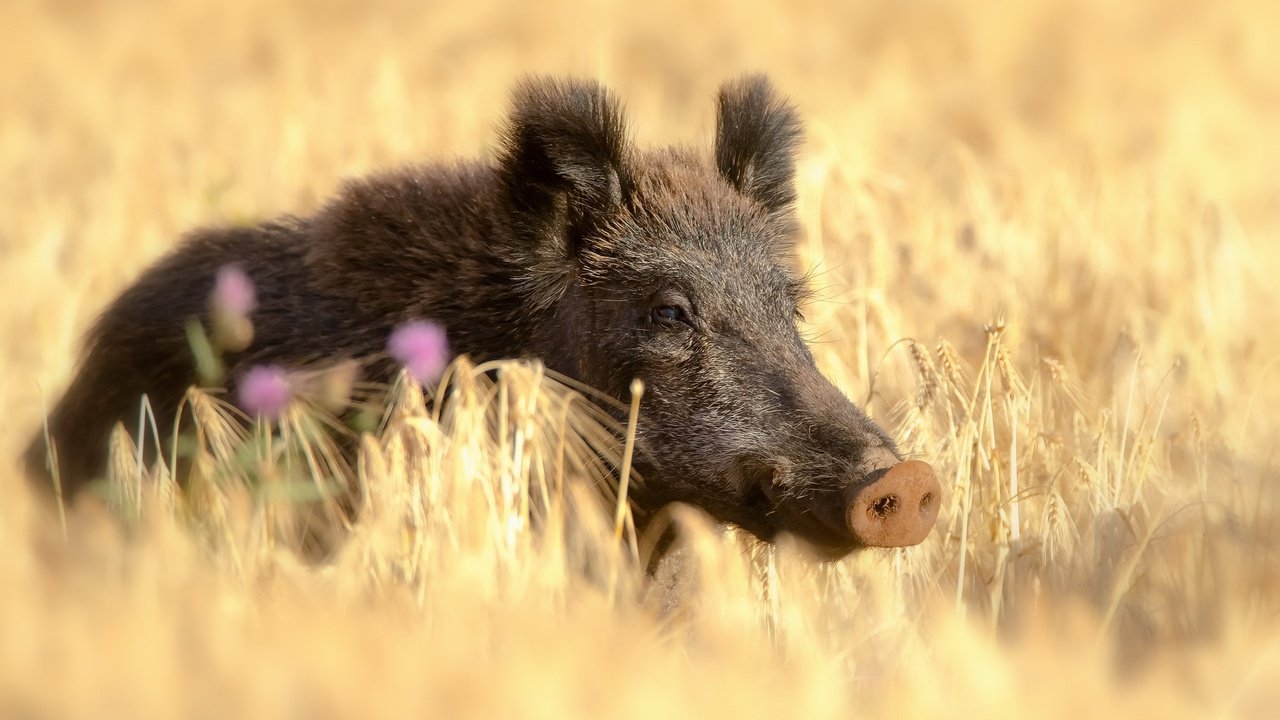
<point x="1046" y="238"/>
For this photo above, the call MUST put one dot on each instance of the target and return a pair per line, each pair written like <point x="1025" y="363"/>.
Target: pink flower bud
<point x="265" y="391"/>
<point x="233" y="292"/>
<point x="422" y="348"/>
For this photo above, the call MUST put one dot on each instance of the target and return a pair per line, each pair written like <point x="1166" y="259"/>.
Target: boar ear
<point x="757" y="131"/>
<point x="563" y="157"/>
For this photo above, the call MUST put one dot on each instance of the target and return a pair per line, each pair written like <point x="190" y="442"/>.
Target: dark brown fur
<point x="606" y="261"/>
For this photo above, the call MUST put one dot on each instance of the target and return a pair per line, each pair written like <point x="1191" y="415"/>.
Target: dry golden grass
<point x="1046" y="235"/>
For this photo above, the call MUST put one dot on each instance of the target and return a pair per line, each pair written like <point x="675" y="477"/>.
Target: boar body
<point x="605" y="261"/>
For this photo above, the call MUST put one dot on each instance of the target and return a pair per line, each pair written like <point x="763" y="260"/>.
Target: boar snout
<point x="888" y="503"/>
<point x="896" y="509"/>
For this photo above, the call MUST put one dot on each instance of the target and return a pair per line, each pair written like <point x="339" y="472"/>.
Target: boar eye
<point x="670" y="314"/>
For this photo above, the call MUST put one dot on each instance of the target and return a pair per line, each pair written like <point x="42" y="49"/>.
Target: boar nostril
<point x="926" y="502"/>
<point x="885" y="506"/>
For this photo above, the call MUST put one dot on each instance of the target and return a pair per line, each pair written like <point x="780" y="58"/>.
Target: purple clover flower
<point x="265" y="391"/>
<point x="230" y="303"/>
<point x="233" y="292"/>
<point x="422" y="348"/>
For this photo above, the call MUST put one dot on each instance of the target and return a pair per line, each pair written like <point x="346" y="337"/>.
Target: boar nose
<point x="897" y="509"/>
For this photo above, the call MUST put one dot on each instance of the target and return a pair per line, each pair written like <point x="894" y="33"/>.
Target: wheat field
<point x="1045" y="240"/>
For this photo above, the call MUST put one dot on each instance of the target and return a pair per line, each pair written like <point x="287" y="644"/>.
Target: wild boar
<point x="606" y="261"/>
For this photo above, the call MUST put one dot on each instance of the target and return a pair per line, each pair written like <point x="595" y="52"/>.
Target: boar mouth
<point x="772" y="508"/>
